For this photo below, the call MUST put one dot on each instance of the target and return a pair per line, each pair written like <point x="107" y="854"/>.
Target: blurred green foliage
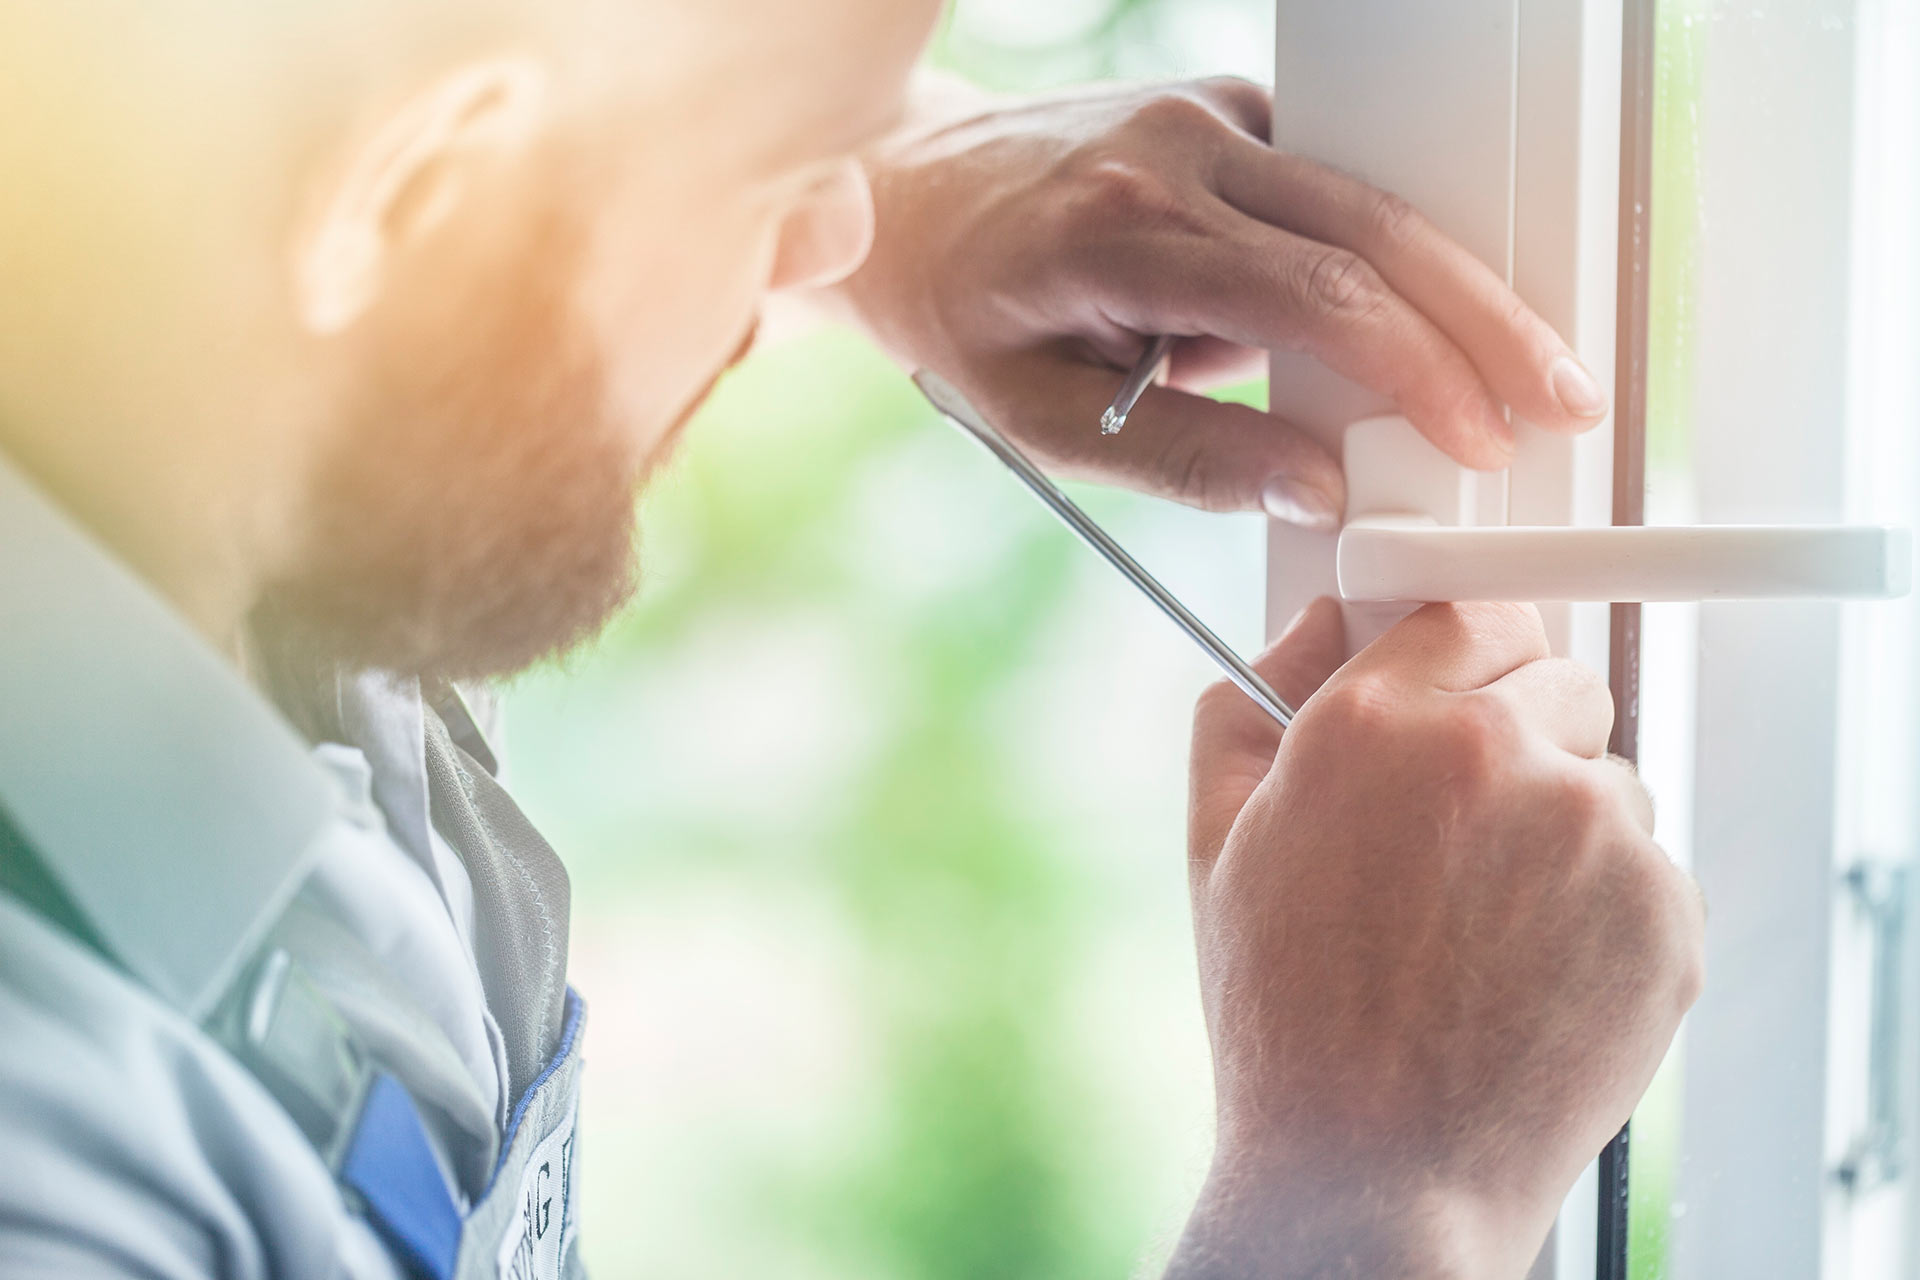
<point x="874" y="806"/>
<point x="1673" y="258"/>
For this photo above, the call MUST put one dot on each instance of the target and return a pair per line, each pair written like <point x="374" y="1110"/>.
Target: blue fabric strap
<point x="391" y="1167"/>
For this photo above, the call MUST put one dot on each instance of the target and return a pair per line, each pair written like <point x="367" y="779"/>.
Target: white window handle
<point x="1404" y="541"/>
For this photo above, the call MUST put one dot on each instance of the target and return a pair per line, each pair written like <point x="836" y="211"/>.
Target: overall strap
<point x="24" y="879"/>
<point x="361" y="1120"/>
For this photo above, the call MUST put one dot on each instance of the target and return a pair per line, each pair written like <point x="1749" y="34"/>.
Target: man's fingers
<point x="1457" y="647"/>
<point x="1269" y="288"/>
<point x="1563" y="701"/>
<point x="1215" y="456"/>
<point x="1224" y="457"/>
<point x="1234" y="741"/>
<point x="1521" y="358"/>
<point x="1202" y="363"/>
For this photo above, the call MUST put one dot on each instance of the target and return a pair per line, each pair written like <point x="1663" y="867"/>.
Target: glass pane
<point x="1782" y="742"/>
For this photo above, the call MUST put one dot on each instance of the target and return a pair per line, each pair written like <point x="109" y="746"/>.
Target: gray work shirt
<point x="190" y="824"/>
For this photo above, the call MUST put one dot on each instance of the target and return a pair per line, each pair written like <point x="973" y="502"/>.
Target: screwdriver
<point x="954" y="407"/>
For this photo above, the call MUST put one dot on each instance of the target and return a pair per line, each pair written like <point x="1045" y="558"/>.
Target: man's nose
<point x="826" y="236"/>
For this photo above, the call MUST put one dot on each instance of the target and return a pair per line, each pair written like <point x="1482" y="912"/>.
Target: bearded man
<point x="335" y="342"/>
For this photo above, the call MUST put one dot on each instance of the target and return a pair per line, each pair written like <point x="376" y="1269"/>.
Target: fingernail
<point x="1579" y="394"/>
<point x="1294" y="501"/>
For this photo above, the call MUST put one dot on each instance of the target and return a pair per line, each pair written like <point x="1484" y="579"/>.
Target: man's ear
<point x="405" y="179"/>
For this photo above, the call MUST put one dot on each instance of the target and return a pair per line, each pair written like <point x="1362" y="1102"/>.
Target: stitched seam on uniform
<point x="539" y="903"/>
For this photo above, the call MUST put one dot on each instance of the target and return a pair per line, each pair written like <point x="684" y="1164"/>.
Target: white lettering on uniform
<point x="535" y="1243"/>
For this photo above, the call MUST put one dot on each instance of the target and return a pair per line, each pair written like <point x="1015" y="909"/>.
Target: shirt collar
<point x="175" y="807"/>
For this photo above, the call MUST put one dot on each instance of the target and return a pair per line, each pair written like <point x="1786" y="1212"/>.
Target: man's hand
<point x="1440" y="954"/>
<point x="1026" y="252"/>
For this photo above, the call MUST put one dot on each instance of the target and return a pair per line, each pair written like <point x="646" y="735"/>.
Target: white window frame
<point x="1502" y="120"/>
<point x="1754" y="1101"/>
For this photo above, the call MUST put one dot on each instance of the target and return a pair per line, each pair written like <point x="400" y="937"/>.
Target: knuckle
<point x="1234" y="86"/>
<point x="1584" y="687"/>
<point x="1213" y="700"/>
<point x="1391" y="221"/>
<point x="1587" y="805"/>
<point x="1484" y="716"/>
<point x="1335" y="282"/>
<point x="1479" y="737"/>
<point x="1517" y="316"/>
<point x="1175" y="114"/>
<point x="1636" y="899"/>
<point x="1675" y="919"/>
<point x="1246" y="94"/>
<point x="1359" y="710"/>
<point x="1183" y="468"/>
<point x="1458" y="396"/>
<point x="1643" y="880"/>
<point x="1116" y="186"/>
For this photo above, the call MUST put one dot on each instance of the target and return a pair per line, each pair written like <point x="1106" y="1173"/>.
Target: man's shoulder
<point x="133" y="1137"/>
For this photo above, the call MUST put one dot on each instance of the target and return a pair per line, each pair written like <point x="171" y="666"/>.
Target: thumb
<point x="1234" y="741"/>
